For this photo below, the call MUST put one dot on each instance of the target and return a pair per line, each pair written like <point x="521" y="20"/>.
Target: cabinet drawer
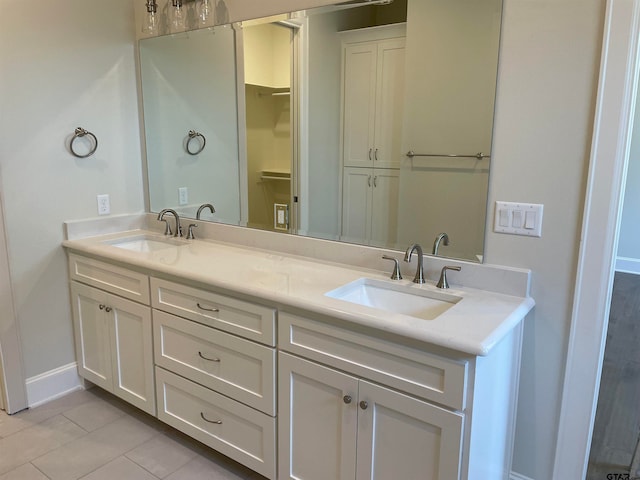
<point x="248" y="320"/>
<point x="414" y="371"/>
<point x="225" y="425"/>
<point x="230" y="365"/>
<point x="123" y="282"/>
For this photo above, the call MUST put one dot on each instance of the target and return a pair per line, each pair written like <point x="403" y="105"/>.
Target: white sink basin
<point x="146" y="243"/>
<point x="395" y="298"/>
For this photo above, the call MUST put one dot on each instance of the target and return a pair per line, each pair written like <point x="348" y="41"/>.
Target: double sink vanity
<point x="301" y="365"/>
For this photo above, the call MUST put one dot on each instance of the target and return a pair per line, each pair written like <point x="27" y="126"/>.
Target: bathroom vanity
<point x="274" y="361"/>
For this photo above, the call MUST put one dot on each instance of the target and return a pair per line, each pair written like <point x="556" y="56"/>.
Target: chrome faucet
<point x="202" y="207"/>
<point x="168" y="229"/>
<point x="442" y="237"/>
<point x="419" y="278"/>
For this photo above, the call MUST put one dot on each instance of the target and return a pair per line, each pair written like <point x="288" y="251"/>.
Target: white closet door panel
<point x="359" y="104"/>
<point x="384" y="218"/>
<point x="356" y="204"/>
<point x="389" y="103"/>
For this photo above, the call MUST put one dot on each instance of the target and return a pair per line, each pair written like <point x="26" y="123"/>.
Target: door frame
<point x="12" y="376"/>
<point x="601" y="220"/>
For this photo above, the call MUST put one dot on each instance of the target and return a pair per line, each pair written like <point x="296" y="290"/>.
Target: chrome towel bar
<point x="478" y="155"/>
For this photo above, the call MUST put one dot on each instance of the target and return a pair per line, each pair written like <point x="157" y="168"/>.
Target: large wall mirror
<point x="368" y="124"/>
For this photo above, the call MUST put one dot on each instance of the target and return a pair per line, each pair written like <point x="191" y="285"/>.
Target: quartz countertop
<point x="474" y="325"/>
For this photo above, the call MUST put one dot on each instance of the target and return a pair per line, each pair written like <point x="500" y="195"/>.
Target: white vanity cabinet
<point x="357" y="406"/>
<point x="342" y="427"/>
<point x="215" y="381"/>
<point x="113" y="334"/>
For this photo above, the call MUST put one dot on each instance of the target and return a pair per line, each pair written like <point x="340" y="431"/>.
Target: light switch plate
<point x="517" y="218"/>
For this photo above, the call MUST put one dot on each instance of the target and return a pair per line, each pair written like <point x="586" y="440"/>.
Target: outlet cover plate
<point x="104" y="205"/>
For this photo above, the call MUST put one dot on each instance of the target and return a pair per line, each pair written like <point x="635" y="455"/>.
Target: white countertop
<point x="473" y="325"/>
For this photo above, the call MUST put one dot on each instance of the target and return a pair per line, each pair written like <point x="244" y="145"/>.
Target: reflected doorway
<point x="269" y="77"/>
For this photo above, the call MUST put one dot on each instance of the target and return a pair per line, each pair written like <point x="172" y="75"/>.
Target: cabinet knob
<point x="101" y="307"/>
<point x="347" y="399"/>
<point x="108" y="309"/>
<point x="364" y="405"/>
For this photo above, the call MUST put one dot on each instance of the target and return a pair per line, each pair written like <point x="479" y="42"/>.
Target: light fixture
<point x="150" y="21"/>
<point x="177" y="16"/>
<point x="204" y="11"/>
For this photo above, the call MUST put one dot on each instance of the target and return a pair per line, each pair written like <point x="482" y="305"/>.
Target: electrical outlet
<point x="281" y="216"/>
<point x="104" y="206"/>
<point x="183" y="195"/>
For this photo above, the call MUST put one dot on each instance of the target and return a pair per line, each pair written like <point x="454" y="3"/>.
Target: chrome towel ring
<point x="193" y="134"/>
<point x="81" y="132"/>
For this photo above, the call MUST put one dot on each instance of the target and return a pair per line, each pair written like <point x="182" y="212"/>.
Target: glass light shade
<point x="150" y="20"/>
<point x="150" y="23"/>
<point x="177" y="17"/>
<point x="205" y="11"/>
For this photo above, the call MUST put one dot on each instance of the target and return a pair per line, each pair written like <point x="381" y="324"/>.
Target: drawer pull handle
<point x="209" y="359"/>
<point x="217" y="422"/>
<point x="347" y="399"/>
<point x="108" y="309"/>
<point x="207" y="309"/>
<point x="101" y="307"/>
<point x="364" y="405"/>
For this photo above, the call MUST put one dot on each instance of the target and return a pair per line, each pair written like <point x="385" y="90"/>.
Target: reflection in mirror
<point x="309" y="121"/>
<point x="189" y="84"/>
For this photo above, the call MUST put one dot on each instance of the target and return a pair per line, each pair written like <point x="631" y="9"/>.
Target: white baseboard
<point x="517" y="476"/>
<point x="52" y="384"/>
<point x="628" y="265"/>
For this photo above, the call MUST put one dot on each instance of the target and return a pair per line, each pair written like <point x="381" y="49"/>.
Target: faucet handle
<point x="396" y="275"/>
<point x="443" y="283"/>
<point x="190" y="235"/>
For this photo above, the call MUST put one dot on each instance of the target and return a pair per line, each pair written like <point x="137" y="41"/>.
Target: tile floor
<point x="92" y="435"/>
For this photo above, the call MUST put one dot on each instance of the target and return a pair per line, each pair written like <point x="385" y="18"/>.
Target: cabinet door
<point x="359" y="97"/>
<point x="132" y="352"/>
<point x="384" y="215"/>
<point x="357" y="184"/>
<point x="91" y="332"/>
<point x="389" y="103"/>
<point x="317" y="421"/>
<point x="403" y="437"/>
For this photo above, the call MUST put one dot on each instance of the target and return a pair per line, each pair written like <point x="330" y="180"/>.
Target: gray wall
<point x="547" y="84"/>
<point x="58" y="76"/>
<point x="63" y="64"/>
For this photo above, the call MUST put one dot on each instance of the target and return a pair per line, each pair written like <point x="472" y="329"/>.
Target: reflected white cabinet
<point x="373" y="97"/>
<point x="114" y="344"/>
<point x="370" y="205"/>
<point x="335" y="425"/>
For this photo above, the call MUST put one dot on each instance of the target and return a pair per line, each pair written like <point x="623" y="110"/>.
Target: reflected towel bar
<point x="478" y="155"/>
